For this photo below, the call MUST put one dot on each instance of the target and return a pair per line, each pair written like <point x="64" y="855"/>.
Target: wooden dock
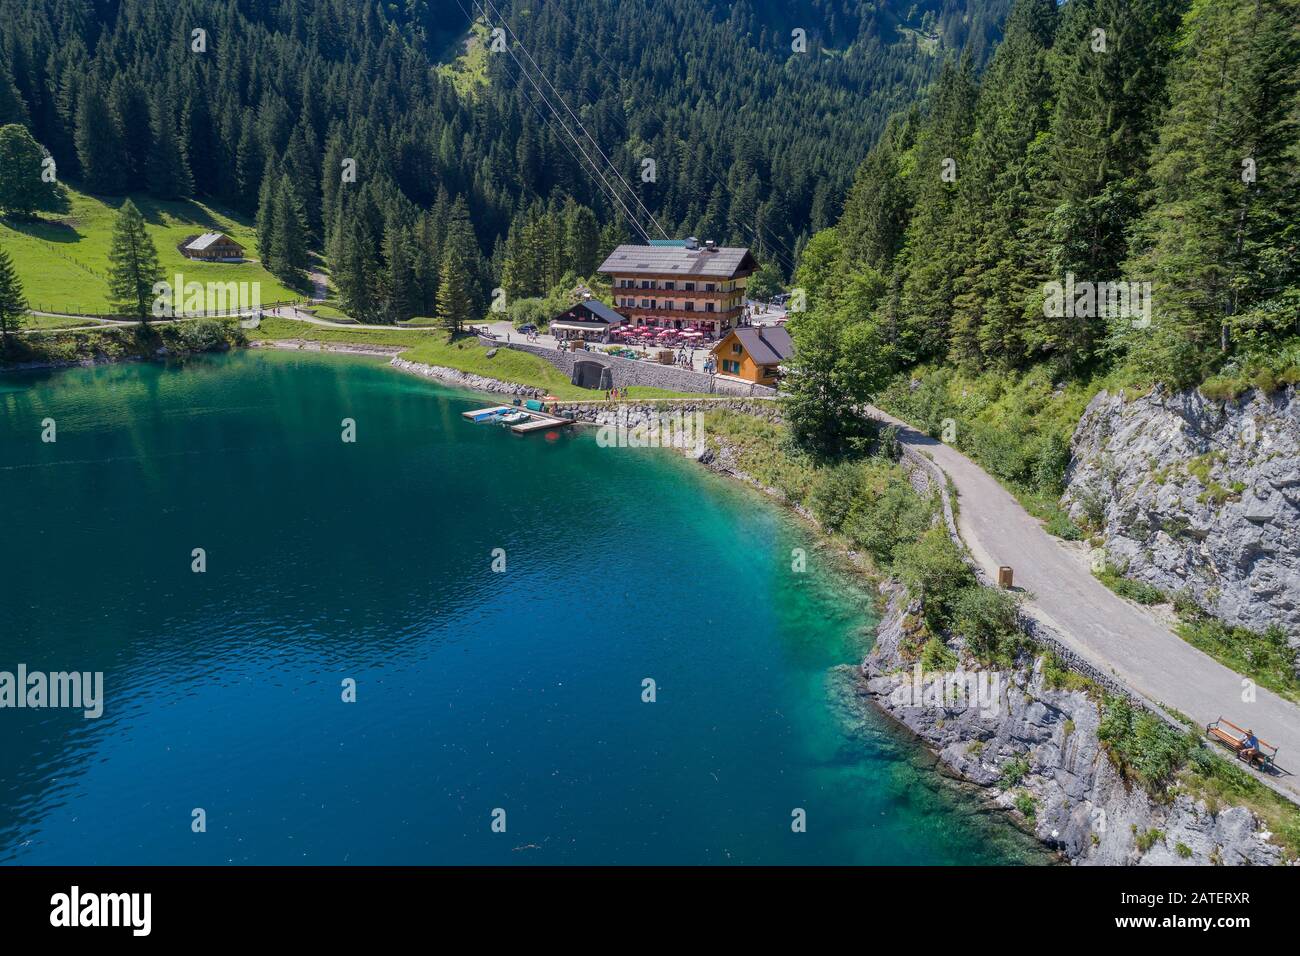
<point x="479" y="414"/>
<point x="537" y="421"/>
<point x="540" y="422"/>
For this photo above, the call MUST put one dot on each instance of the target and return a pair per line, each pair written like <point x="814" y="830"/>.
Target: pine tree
<point x="265" y="221"/>
<point x="13" y="304"/>
<point x="12" y="107"/>
<point x="456" y="274"/>
<point x="133" y="266"/>
<point x="355" y="271"/>
<point x="1219" y="241"/>
<point x="129" y="108"/>
<point x="929" y="259"/>
<point x="289" y="257"/>
<point x="101" y="149"/>
<point x="1109" y="59"/>
<point x="875" y="213"/>
<point x="169" y="169"/>
<point x="997" y="265"/>
<point x="23" y="189"/>
<point x="402" y="292"/>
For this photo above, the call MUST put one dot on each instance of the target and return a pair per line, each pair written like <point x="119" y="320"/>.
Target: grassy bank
<point x="120" y="343"/>
<point x="62" y="258"/>
<point x="464" y="353"/>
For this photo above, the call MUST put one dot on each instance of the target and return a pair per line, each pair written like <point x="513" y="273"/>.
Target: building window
<point x="690" y="287"/>
<point x="736" y="349"/>
<point x="670" y="286"/>
<point x="690" y="306"/>
<point x="669" y="305"/>
<point x="708" y="306"/>
<point x="729" y="366"/>
<point x="708" y="287"/>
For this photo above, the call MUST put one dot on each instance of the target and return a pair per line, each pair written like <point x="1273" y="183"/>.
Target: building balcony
<point x="725" y="316"/>
<point x="680" y="293"/>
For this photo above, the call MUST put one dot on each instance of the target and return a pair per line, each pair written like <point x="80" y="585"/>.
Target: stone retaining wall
<point x="455" y="376"/>
<point x="643" y="411"/>
<point x="626" y="372"/>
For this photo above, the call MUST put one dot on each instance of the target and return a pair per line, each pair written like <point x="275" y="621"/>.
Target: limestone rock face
<point x="1039" y="744"/>
<point x="1198" y="496"/>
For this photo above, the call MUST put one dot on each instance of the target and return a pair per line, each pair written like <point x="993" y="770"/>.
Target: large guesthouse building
<point x="680" y="284"/>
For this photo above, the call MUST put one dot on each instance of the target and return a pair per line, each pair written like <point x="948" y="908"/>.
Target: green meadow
<point x="62" y="258"/>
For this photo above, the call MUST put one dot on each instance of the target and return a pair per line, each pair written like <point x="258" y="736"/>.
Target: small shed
<point x="212" y="247"/>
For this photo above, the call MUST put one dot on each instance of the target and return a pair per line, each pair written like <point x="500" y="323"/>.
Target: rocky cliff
<point x="1197" y="496"/>
<point x="1036" y="751"/>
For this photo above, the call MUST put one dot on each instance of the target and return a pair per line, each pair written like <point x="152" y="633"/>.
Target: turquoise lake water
<point x="475" y="690"/>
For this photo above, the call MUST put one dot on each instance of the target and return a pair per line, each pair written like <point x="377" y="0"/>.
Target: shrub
<point x="1138" y="591"/>
<point x="986" y="617"/>
<point x="1025" y="804"/>
<point x="937" y="656"/>
<point x="1142" y="746"/>
<point x="1147" y="840"/>
<point x="1013" y="771"/>
<point x="881" y="522"/>
<point x="1266" y="657"/>
<point x="933" y="570"/>
<point x="1182" y="849"/>
<point x="834" y="492"/>
<point x="1059" y="524"/>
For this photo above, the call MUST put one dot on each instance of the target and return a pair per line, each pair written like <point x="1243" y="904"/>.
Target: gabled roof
<point x="208" y="238"/>
<point x="769" y="345"/>
<point x="594" y="308"/>
<point x="721" y="263"/>
<point x="600" y="310"/>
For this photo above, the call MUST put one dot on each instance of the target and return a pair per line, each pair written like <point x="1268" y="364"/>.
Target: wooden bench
<point x="1229" y="734"/>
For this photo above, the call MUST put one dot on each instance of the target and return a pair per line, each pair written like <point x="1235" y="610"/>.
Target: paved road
<point x="1117" y="635"/>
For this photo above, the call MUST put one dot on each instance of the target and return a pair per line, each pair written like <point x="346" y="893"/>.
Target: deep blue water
<point x="476" y="690"/>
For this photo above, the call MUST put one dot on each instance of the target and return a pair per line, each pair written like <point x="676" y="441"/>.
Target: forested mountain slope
<point x="751" y="141"/>
<point x="1118" y="194"/>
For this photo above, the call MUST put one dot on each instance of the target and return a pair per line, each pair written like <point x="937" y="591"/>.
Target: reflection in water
<point x="371" y="561"/>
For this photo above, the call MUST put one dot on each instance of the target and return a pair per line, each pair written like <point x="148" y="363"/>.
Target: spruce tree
<point x="1219" y="240"/>
<point x="169" y="169"/>
<point x="23" y="189"/>
<point x="13" y="304"/>
<point x="456" y="292"/>
<point x="997" y="265"/>
<point x="265" y="221"/>
<point x="101" y="149"/>
<point x="133" y="266"/>
<point x="929" y="259"/>
<point x="289" y="254"/>
<point x="402" y="292"/>
<point x="129" y="108"/>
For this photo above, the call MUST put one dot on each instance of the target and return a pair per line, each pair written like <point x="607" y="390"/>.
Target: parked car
<point x="528" y="329"/>
<point x="781" y="298"/>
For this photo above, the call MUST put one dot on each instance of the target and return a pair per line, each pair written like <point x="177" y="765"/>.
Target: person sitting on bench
<point x="1251" y="744"/>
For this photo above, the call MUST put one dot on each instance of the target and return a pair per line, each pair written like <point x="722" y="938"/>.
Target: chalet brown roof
<point x="723" y="262"/>
<point x="766" y="345"/>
